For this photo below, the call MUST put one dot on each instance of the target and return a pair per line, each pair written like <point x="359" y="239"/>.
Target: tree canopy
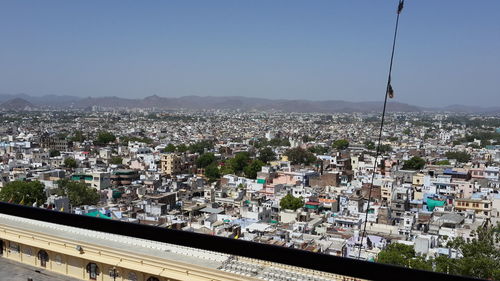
<point x="460" y="156"/>
<point x="480" y="257"/>
<point x="54" y="153"/>
<point x="22" y="192"/>
<point x="116" y="160"/>
<point x="298" y="155"/>
<point x="205" y="159"/>
<point x="253" y="168"/>
<point x="340" y="144"/>
<point x="170" y="148"/>
<point x="443" y="162"/>
<point x="384" y="148"/>
<point x="78" y="136"/>
<point x="70" y="163"/>
<point x="318" y="149"/>
<point x="212" y="172"/>
<point x="290" y="202"/>
<point x="103" y="138"/>
<point x="403" y="255"/>
<point x="267" y="154"/>
<point x="369" y="145"/>
<point x="415" y="163"/>
<point x="182" y="148"/>
<point x="239" y="162"/>
<point x="125" y="140"/>
<point x="200" y="146"/>
<point x="78" y="193"/>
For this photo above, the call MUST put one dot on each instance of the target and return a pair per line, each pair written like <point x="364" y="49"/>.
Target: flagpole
<point x="388" y="92"/>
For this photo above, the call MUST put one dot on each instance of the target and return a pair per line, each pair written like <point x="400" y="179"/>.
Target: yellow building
<point x="418" y="179"/>
<point x="92" y="255"/>
<point x="171" y="164"/>
<point x="480" y="207"/>
<point x="386" y="190"/>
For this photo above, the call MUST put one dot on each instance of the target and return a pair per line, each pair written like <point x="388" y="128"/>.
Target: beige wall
<point x="65" y="259"/>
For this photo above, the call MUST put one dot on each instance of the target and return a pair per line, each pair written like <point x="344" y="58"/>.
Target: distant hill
<point x="244" y="103"/>
<point x="234" y="102"/>
<point x="17" y="104"/>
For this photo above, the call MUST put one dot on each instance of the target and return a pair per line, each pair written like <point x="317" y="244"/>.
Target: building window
<point x="153" y="279"/>
<point x="1" y="247"/>
<point x="14" y="247"/>
<point x="93" y="271"/>
<point x="27" y="251"/>
<point x="58" y="259"/>
<point x="132" y="276"/>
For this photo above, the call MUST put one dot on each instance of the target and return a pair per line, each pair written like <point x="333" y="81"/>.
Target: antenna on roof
<point x="389" y="93"/>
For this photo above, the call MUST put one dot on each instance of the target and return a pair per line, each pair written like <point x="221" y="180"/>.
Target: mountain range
<point x="22" y="101"/>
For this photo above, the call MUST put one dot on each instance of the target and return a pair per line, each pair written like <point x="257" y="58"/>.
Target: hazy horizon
<point x="447" y="51"/>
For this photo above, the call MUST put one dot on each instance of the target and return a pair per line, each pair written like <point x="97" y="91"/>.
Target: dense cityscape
<point x="298" y="180"/>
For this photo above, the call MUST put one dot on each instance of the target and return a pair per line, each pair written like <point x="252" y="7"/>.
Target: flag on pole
<point x="35" y="203"/>
<point x="22" y="201"/>
<point x="400" y="6"/>
<point x="11" y="200"/>
<point x="390" y="92"/>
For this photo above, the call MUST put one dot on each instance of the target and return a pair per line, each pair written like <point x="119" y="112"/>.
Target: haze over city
<point x="447" y="50"/>
<point x="229" y="140"/>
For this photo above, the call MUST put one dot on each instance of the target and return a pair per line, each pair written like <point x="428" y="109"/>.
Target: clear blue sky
<point x="448" y="51"/>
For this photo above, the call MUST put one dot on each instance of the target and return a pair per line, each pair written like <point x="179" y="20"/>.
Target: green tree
<point x="226" y="168"/>
<point x="460" y="156"/>
<point x="318" y="149"/>
<point x="290" y="202"/>
<point x="182" y="148"/>
<point x="116" y="160"/>
<point x="170" y="148"/>
<point x="77" y="192"/>
<point x="200" y="146"/>
<point x="415" y="163"/>
<point x="369" y="145"/>
<point x="392" y="139"/>
<point x="103" y="138"/>
<point x="267" y="154"/>
<point x="212" y="172"/>
<point x="298" y="155"/>
<point x="403" y="255"/>
<point x="407" y="131"/>
<point x="78" y="136"/>
<point x="70" y="163"/>
<point x="384" y="148"/>
<point x="443" y="162"/>
<point x="205" y="159"/>
<point x="481" y="256"/>
<point x="125" y="140"/>
<point x="23" y="192"/>
<point x="252" y="169"/>
<point x="261" y="142"/>
<point x="340" y="144"/>
<point x="239" y="162"/>
<point x="396" y="254"/>
<point x="279" y="142"/>
<point x="54" y="153"/>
